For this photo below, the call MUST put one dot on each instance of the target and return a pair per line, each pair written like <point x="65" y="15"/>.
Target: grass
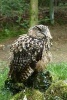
<point x="58" y="72"/>
<point x="5" y="94"/>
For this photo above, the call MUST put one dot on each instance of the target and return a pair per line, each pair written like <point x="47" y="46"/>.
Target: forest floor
<point x="58" y="50"/>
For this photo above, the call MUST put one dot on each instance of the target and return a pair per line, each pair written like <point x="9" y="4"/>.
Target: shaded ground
<point x="59" y="48"/>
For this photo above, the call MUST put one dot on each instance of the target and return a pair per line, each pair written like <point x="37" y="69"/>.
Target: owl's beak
<point x="48" y="34"/>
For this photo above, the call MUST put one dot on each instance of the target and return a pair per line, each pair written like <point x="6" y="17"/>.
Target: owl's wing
<point x="26" y="50"/>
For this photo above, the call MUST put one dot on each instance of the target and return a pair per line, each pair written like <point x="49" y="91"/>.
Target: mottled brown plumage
<point x="30" y="53"/>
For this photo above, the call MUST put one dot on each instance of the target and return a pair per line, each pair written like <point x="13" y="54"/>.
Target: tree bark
<point x="52" y="11"/>
<point x="33" y="12"/>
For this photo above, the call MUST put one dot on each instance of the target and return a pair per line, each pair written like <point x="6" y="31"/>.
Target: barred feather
<point x="29" y="53"/>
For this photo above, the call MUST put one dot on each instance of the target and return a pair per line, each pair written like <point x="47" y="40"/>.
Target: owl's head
<point x="39" y="31"/>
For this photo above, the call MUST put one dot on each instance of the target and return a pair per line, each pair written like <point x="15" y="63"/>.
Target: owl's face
<point x="39" y="31"/>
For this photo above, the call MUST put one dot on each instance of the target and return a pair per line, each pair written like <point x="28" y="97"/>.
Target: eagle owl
<point x="30" y="53"/>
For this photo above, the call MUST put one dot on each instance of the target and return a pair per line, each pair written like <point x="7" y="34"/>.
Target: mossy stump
<point x="41" y="81"/>
<point x="29" y="94"/>
<point x="57" y="91"/>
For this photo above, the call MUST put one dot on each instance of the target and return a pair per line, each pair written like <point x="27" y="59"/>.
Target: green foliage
<point x="25" y="24"/>
<point x="58" y="71"/>
<point x="5" y="94"/>
<point x="43" y="3"/>
<point x="14" y="12"/>
<point x="44" y="20"/>
<point x="13" y="7"/>
<point x="11" y="32"/>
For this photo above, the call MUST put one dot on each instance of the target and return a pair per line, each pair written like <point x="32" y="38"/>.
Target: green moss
<point x="57" y="91"/>
<point x="31" y="94"/>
